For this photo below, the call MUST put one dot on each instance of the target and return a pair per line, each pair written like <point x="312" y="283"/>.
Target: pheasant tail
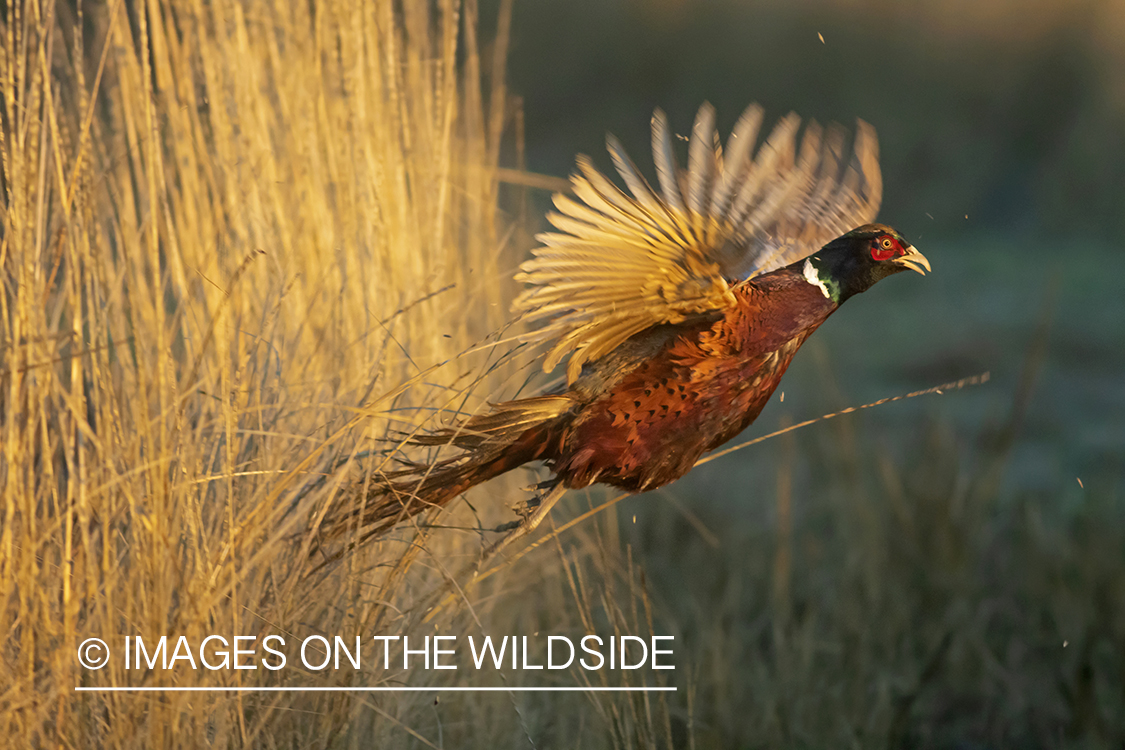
<point x="508" y="436"/>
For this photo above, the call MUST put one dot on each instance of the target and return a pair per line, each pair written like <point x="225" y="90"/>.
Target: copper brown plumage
<point x="679" y="309"/>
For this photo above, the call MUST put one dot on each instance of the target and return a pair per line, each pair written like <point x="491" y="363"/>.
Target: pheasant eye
<point x="884" y="249"/>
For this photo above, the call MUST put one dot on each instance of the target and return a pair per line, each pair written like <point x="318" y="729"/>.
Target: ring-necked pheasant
<point x="679" y="308"/>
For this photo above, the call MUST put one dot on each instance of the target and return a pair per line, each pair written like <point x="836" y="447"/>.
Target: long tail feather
<point x="508" y="436"/>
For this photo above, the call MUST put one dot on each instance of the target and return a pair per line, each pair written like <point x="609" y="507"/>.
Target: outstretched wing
<point x="621" y="263"/>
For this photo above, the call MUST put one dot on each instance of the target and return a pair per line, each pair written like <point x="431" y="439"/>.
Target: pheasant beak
<point x="913" y="260"/>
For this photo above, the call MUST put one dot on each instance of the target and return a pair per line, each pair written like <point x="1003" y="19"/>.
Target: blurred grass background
<point x="272" y="233"/>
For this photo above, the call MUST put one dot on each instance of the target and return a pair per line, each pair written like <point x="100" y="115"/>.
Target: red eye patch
<point x="880" y="252"/>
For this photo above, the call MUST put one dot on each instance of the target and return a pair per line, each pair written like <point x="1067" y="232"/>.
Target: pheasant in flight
<point x="677" y="309"/>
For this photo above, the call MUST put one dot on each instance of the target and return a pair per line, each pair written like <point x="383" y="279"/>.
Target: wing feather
<point x="701" y="162"/>
<point x="664" y="157"/>
<point x="636" y="183"/>
<point x="740" y="146"/>
<point x="620" y="262"/>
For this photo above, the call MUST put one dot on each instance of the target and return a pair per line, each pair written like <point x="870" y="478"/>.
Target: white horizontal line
<point x="407" y="689"/>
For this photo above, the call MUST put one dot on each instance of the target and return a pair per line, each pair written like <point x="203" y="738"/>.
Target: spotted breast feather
<point x="707" y="384"/>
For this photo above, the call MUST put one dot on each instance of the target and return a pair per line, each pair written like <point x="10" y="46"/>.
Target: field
<point x="246" y="246"/>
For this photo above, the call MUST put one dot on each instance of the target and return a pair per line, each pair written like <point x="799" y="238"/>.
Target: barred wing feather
<point x="621" y="262"/>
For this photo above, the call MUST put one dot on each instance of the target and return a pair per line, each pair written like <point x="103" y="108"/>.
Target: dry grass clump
<point x="233" y="235"/>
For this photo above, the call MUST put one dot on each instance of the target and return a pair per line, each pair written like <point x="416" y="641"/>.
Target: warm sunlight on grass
<point x="219" y="270"/>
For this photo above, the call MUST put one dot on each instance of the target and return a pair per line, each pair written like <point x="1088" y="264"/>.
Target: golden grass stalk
<point x="230" y="233"/>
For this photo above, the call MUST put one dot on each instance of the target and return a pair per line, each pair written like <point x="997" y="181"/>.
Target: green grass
<point x="242" y="243"/>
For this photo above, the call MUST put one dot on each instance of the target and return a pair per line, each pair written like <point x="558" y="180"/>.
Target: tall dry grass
<point x="233" y="235"/>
